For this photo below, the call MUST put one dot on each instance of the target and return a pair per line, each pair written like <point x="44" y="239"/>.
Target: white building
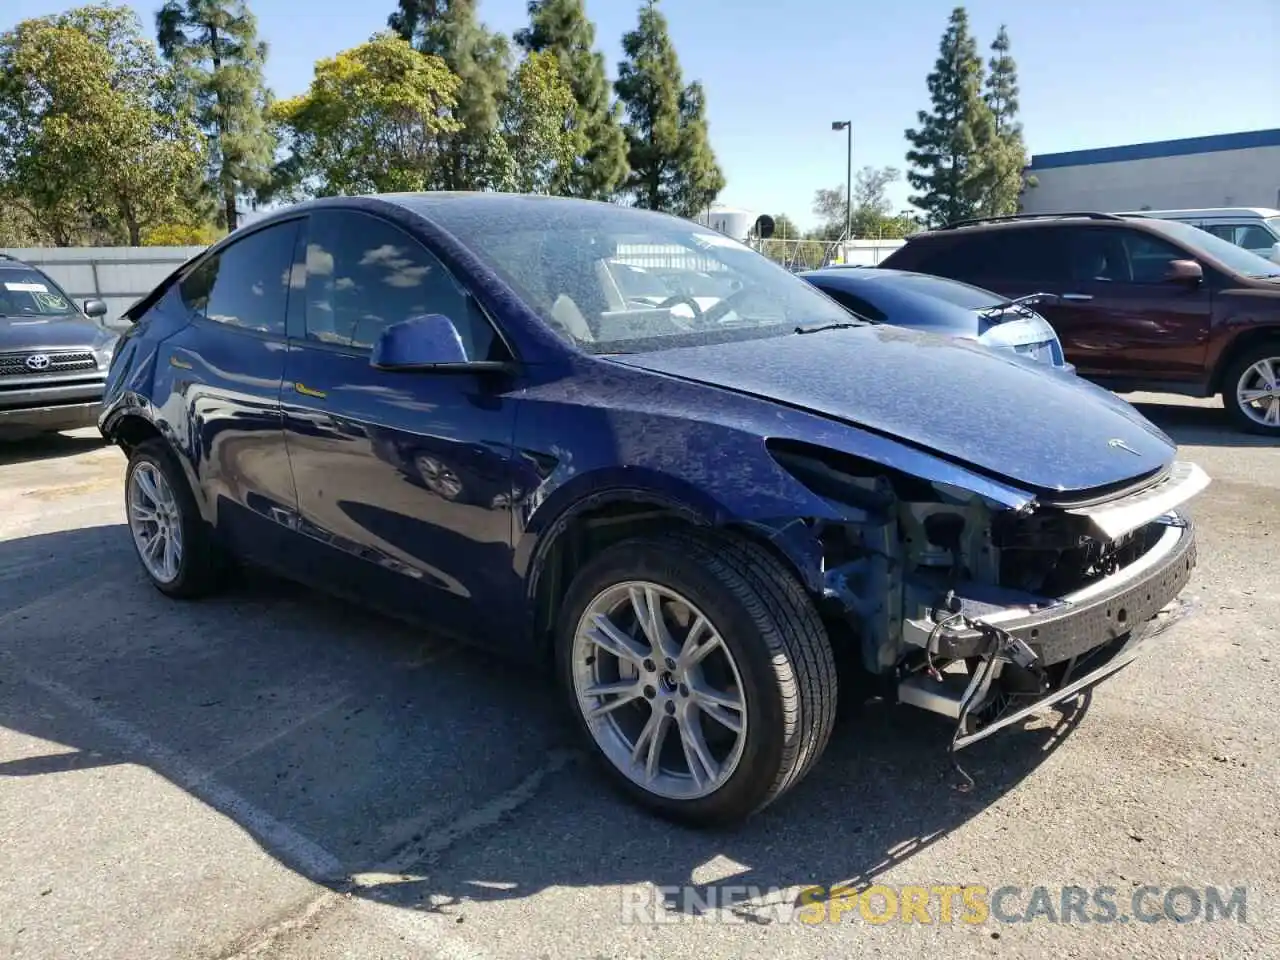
<point x="1229" y="170"/>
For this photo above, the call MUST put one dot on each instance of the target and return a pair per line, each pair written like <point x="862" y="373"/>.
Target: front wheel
<point x="1251" y="390"/>
<point x="700" y="673"/>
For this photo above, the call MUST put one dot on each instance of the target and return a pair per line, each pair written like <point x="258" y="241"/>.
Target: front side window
<point x="1149" y="257"/>
<point x="246" y="284"/>
<point x="364" y="274"/>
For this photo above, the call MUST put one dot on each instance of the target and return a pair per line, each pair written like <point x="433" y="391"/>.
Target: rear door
<point x="405" y="476"/>
<point x="218" y="379"/>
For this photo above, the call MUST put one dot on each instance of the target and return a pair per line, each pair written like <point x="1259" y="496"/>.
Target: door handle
<point x="306" y="391"/>
<point x="1077" y="297"/>
<point x="178" y="364"/>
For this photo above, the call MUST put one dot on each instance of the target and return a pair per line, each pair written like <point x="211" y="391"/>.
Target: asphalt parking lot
<point x="276" y="774"/>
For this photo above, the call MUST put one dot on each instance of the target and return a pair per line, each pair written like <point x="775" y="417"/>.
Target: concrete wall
<point x="1222" y="178"/>
<point x="118" y="275"/>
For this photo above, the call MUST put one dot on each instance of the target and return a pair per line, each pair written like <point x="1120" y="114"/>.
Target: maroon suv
<point x="1141" y="304"/>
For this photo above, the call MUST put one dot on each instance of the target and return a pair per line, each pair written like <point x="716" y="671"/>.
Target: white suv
<point x="1257" y="229"/>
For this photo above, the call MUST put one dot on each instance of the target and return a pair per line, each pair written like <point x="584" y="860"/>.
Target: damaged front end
<point x="986" y="609"/>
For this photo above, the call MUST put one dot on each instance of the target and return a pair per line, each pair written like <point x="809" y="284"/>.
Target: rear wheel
<point x="1251" y="389"/>
<point x="174" y="544"/>
<point x="700" y="673"/>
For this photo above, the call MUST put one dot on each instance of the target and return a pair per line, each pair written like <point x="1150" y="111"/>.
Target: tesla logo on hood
<point x="1115" y="443"/>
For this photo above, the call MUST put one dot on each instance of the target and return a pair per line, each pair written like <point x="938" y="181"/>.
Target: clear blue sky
<point x="1094" y="73"/>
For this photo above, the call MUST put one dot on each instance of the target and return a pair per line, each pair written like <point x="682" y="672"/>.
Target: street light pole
<point x="847" y="125"/>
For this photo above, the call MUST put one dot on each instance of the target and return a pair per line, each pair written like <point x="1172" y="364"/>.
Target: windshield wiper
<point x="1026" y="301"/>
<point x="832" y="325"/>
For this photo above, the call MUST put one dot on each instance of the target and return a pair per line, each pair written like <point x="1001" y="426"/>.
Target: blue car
<point x="689" y="512"/>
<point x="943" y="306"/>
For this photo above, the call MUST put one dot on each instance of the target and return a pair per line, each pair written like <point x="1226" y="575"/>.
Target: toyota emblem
<point x="38" y="361"/>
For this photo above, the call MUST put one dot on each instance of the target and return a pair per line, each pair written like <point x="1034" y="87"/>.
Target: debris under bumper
<point x="990" y="670"/>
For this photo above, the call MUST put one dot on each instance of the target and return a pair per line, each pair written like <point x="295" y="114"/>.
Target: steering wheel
<point x="678" y="299"/>
<point x="725" y="306"/>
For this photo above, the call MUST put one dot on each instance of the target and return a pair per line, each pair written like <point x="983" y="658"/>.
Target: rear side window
<point x="1033" y="256"/>
<point x="364" y="274"/>
<point x="246" y="284"/>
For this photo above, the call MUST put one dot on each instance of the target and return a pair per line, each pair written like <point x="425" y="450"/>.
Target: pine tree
<point x="951" y="148"/>
<point x="214" y="45"/>
<point x="1009" y="154"/>
<point x="480" y="58"/>
<point x="672" y="165"/>
<point x="561" y="27"/>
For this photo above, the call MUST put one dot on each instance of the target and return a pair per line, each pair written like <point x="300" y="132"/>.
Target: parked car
<point x="945" y="307"/>
<point x="706" y="511"/>
<point x="53" y="354"/>
<point x="1257" y="229"/>
<point x="1141" y="304"/>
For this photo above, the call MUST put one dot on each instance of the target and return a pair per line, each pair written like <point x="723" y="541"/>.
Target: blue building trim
<point x="1161" y="148"/>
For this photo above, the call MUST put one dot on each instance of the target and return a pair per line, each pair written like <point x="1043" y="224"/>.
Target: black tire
<point x="775" y="636"/>
<point x="202" y="568"/>
<point x="1231" y="380"/>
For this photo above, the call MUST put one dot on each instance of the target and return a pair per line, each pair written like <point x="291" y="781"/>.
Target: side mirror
<point x="95" y="309"/>
<point x="1275" y="253"/>
<point x="427" y="342"/>
<point x="1184" y="271"/>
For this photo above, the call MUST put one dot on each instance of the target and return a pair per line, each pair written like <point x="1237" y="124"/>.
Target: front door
<point x="1119" y="318"/>
<point x="404" y="477"/>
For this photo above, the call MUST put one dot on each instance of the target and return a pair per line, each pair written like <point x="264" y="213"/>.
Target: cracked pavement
<point x="276" y="774"/>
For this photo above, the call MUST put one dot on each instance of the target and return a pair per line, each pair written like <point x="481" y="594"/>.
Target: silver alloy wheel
<point x="1258" y="392"/>
<point x="645" y="659"/>
<point x="155" y="522"/>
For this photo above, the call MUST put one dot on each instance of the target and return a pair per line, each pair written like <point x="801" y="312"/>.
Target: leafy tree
<point x="672" y="165"/>
<point x="561" y="27"/>
<point x="871" y="206"/>
<point x="449" y="29"/>
<point x="540" y="138"/>
<point x="214" y="44"/>
<point x="375" y="119"/>
<point x="784" y="228"/>
<point x="1008" y="158"/>
<point x="829" y="208"/>
<point x="951" y="147"/>
<point x="180" y="235"/>
<point x="94" y="142"/>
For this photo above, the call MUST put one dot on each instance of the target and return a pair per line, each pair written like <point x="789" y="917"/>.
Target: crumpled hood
<point x="1008" y="417"/>
<point x="42" y="333"/>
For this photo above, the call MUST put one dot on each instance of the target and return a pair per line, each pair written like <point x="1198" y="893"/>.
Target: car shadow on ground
<point x="1199" y="425"/>
<point x="47" y="446"/>
<point x="382" y="763"/>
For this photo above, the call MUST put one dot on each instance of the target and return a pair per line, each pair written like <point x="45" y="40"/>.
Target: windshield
<point x="28" y="293"/>
<point x="1227" y="253"/>
<point x="1274" y="224"/>
<point x="949" y="291"/>
<point x="614" y="279"/>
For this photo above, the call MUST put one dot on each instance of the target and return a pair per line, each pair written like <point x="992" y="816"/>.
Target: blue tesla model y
<point x="710" y="511"/>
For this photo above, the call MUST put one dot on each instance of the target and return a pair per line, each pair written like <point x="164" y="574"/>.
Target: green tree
<point x="540" y="138"/>
<point x="214" y="44"/>
<point x="94" y="143"/>
<point x="374" y="120"/>
<point x="450" y="30"/>
<point x="951" y="148"/>
<point x="561" y="27"/>
<point x="672" y="165"/>
<point x="1008" y="157"/>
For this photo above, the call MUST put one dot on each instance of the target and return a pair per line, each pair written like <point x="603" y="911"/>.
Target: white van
<point x="1257" y="229"/>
